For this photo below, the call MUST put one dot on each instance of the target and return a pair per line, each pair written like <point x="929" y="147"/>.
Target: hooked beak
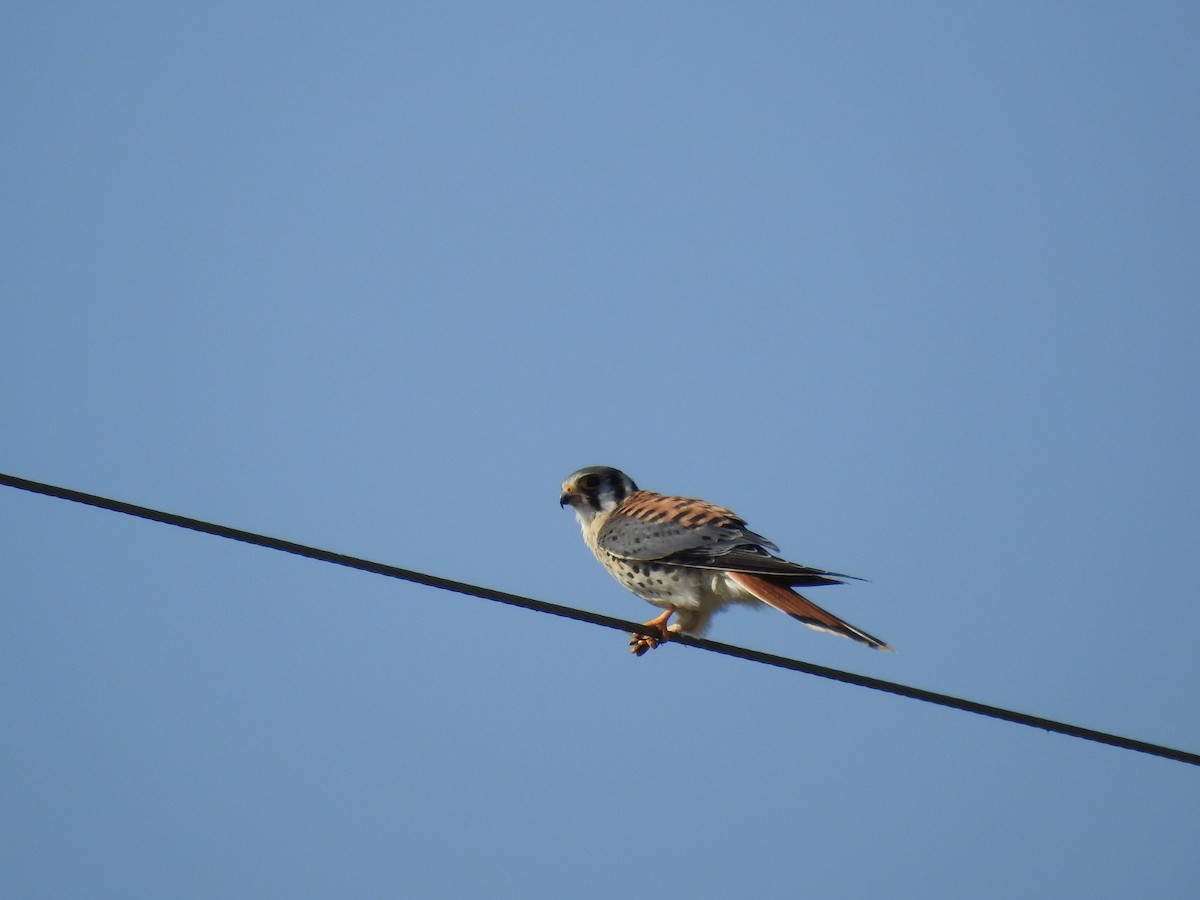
<point x="567" y="498"/>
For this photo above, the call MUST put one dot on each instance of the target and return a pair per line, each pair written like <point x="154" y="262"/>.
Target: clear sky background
<point x="912" y="287"/>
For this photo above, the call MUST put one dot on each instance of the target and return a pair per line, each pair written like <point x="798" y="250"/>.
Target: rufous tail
<point x="798" y="607"/>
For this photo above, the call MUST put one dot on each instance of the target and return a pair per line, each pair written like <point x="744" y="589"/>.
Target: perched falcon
<point x="690" y="558"/>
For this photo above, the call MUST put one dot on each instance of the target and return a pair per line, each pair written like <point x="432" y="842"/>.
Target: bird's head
<point x="595" y="490"/>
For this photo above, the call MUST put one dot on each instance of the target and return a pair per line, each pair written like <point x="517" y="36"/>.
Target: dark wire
<point x="580" y="615"/>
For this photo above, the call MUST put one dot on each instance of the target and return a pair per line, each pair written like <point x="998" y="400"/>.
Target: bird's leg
<point x="643" y="642"/>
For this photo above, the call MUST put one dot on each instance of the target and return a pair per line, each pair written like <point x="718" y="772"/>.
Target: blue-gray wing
<point x="687" y="532"/>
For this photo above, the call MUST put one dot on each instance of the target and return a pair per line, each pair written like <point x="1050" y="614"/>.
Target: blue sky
<point x="913" y="288"/>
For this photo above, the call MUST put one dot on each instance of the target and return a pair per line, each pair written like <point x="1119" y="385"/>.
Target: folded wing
<point x="688" y="532"/>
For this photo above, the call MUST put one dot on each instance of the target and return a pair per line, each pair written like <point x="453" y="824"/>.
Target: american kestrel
<point x="690" y="558"/>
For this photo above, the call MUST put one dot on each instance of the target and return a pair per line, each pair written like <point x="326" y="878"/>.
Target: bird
<point x="691" y="558"/>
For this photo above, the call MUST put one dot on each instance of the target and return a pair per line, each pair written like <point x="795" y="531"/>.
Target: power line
<point x="579" y="615"/>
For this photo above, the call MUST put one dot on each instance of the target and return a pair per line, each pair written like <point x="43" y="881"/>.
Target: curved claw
<point x="640" y="643"/>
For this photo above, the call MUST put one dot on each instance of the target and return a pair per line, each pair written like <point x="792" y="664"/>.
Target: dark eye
<point x="589" y="482"/>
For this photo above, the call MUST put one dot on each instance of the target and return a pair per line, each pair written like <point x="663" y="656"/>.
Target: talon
<point x="643" y="642"/>
<point x="640" y="643"/>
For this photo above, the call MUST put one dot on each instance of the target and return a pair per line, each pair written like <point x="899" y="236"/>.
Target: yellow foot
<point x="643" y="642"/>
<point x="640" y="643"/>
